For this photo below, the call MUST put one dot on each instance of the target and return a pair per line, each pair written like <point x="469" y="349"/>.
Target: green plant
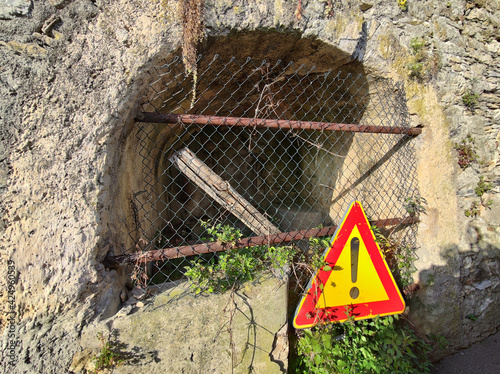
<point x="280" y="256"/>
<point x="107" y="357"/>
<point x="422" y="64"/>
<point x="317" y="247"/>
<point x="470" y="98"/>
<point x="482" y="187"/>
<point x="235" y="266"/>
<point x="232" y="268"/>
<point x="473" y="210"/>
<point x="417" y="46"/>
<point x="405" y="259"/>
<point x="415" y="205"/>
<point x="472" y="317"/>
<point x="379" y="345"/>
<point x="399" y="256"/>
<point x="416" y="69"/>
<point x="466" y="152"/>
<point x="403" y="5"/>
<point x="222" y="234"/>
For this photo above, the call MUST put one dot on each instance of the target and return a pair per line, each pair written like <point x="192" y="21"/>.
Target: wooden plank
<point x="193" y="119"/>
<point x="197" y="249"/>
<point x="221" y="191"/>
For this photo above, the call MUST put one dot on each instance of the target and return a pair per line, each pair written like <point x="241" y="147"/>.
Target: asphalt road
<point x="481" y="358"/>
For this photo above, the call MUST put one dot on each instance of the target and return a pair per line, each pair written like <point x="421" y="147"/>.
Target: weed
<point x="398" y="255"/>
<point x="405" y="258"/>
<point x="416" y="69"/>
<point x="473" y="210"/>
<point x="280" y="256"/>
<point x="415" y="205"/>
<point x="417" y="46"/>
<point x="317" y="247"/>
<point x="222" y="234"/>
<point x="422" y="64"/>
<point x="235" y="266"/>
<point x="482" y="187"/>
<point x="379" y="345"/>
<point x="107" y="357"/>
<point x="470" y="98"/>
<point x="403" y="5"/>
<point x="466" y="152"/>
<point x="231" y="268"/>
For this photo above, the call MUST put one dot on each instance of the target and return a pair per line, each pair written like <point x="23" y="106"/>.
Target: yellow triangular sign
<point x="356" y="282"/>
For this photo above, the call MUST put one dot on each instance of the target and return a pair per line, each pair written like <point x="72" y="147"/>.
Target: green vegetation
<point x="415" y="205"/>
<point x="107" y="358"/>
<point x="235" y="266"/>
<point x="422" y="64"/>
<point x="379" y="345"/>
<point x="221" y="234"/>
<point x="475" y="208"/>
<point x="470" y="98"/>
<point x="482" y="187"/>
<point x="466" y="152"/>
<point x="417" y="45"/>
<point x="403" y="5"/>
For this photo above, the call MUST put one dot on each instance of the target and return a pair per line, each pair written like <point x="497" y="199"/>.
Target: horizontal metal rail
<point x="197" y="249"/>
<point x="193" y="119"/>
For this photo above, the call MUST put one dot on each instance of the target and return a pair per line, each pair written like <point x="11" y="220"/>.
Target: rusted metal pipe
<point x="197" y="249"/>
<point x="193" y="119"/>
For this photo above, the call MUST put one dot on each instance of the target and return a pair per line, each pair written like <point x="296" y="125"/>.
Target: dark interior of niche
<point x="263" y="165"/>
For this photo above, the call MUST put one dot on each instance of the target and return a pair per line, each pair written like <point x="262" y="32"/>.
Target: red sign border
<point x="307" y="315"/>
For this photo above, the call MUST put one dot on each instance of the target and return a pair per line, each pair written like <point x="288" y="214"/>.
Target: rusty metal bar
<point x="190" y="119"/>
<point x="197" y="249"/>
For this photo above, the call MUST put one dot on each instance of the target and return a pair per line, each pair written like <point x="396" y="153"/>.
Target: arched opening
<point x="297" y="131"/>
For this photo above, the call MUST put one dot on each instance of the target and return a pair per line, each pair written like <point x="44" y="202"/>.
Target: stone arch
<point x="164" y="208"/>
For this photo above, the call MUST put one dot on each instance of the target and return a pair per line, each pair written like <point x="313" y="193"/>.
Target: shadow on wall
<point x="459" y="301"/>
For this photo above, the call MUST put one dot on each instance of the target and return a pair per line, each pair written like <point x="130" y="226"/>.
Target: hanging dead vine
<point x="192" y="13"/>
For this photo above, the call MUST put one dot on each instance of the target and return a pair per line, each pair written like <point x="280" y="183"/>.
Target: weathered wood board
<point x="221" y="191"/>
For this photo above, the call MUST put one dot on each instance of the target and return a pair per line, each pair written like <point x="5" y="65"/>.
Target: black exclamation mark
<point x="354" y="267"/>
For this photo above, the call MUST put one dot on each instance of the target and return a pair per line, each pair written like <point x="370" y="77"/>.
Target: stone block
<point x="180" y="332"/>
<point x="10" y="9"/>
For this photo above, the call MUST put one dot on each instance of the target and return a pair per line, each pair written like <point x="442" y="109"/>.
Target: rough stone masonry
<point x="72" y="73"/>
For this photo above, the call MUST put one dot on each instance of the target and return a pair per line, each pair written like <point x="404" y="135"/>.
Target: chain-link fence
<point x="274" y="149"/>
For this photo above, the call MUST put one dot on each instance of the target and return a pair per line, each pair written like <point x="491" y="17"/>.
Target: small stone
<point x="49" y="24"/>
<point x="365" y="6"/>
<point x="30" y="49"/>
<point x="483" y="285"/>
<point x="140" y="304"/>
<point x="123" y="296"/>
<point x="14" y="8"/>
<point x="125" y="311"/>
<point x="138" y="293"/>
<point x="80" y="360"/>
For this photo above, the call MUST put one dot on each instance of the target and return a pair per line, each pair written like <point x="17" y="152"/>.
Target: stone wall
<point x="73" y="72"/>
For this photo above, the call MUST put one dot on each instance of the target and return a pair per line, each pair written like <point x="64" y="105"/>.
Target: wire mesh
<point x="293" y="178"/>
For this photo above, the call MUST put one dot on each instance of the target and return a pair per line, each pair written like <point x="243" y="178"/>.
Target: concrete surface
<point x="481" y="358"/>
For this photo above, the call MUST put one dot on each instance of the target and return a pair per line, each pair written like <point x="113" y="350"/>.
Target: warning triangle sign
<point x="356" y="282"/>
